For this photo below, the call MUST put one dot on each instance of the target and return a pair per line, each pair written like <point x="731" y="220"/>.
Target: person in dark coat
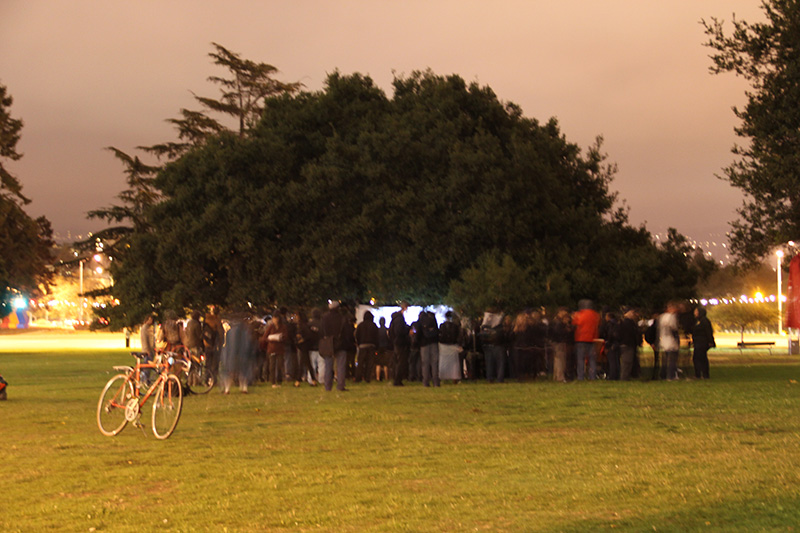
<point x="333" y="325"/>
<point x="400" y="339"/>
<point x="367" y="342"/>
<point x="428" y="336"/>
<point x="630" y="338"/>
<point x="702" y="340"/>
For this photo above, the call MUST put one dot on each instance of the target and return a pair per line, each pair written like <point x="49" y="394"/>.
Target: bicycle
<point x="199" y="377"/>
<point x="124" y="396"/>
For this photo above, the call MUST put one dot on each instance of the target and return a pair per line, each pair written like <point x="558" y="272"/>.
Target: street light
<point x="779" y="254"/>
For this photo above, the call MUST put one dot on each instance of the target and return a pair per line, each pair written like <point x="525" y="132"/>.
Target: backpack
<point x="430" y="331"/>
<point x="448" y="333"/>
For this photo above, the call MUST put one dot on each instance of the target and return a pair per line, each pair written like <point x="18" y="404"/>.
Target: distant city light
<point x="20" y="303"/>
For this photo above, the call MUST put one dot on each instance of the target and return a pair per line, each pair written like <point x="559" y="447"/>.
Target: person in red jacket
<point x="585" y="321"/>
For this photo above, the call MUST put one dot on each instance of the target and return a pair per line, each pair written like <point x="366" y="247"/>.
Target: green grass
<point x="719" y="455"/>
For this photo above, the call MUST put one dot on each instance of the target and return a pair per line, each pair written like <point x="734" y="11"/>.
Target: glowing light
<point x="759" y="297"/>
<point x="20" y="303"/>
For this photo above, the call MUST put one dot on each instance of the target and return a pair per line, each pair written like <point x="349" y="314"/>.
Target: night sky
<point x="89" y="74"/>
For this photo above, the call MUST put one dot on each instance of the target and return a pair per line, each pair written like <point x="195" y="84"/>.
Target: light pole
<point x="779" y="254"/>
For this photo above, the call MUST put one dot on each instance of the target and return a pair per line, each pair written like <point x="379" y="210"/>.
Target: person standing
<point x="560" y="335"/>
<point x="399" y="337"/>
<point x="367" y="342"/>
<point x="171" y="331"/>
<point x="275" y="339"/>
<point x="317" y="361"/>
<point x="193" y="334"/>
<point x="304" y="337"/>
<point x="702" y="340"/>
<point x="237" y="355"/>
<point x="609" y="332"/>
<point x="494" y="348"/>
<point x="669" y="342"/>
<point x="333" y="324"/>
<point x="449" y="349"/>
<point x="428" y="334"/>
<point x="630" y="338"/>
<point x="147" y="338"/>
<point x="585" y="322"/>
<point x="213" y="337"/>
<point x="384" y="357"/>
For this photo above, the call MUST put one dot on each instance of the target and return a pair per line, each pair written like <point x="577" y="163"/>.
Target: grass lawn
<point x="718" y="455"/>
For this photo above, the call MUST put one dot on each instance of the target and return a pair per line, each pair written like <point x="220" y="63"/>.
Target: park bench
<point x="766" y="344"/>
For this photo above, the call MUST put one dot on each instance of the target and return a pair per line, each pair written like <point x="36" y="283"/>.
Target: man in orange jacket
<point x="586" y="321"/>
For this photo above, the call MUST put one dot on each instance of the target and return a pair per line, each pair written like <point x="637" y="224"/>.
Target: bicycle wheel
<point x="200" y="379"/>
<point x="167" y="406"/>
<point x="111" y="407"/>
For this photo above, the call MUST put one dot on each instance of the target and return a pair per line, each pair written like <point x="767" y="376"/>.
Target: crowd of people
<point x="330" y="347"/>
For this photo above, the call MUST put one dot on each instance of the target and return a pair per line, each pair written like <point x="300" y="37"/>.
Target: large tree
<point x="767" y="164"/>
<point x="25" y="243"/>
<point x="347" y="193"/>
<point x="243" y="93"/>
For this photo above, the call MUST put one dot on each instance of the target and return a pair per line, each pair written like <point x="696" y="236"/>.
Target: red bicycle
<point x="124" y="396"/>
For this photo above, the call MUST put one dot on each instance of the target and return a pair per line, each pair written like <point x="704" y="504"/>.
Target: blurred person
<point x="237" y="356"/>
<point x="702" y="341"/>
<point x="585" y="323"/>
<point x="669" y="341"/>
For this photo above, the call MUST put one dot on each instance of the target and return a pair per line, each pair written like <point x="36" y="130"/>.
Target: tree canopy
<point x="767" y="164"/>
<point x="25" y="243"/>
<point x="347" y="193"/>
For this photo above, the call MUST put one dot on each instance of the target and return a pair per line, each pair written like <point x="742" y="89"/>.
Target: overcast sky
<point x="89" y="74"/>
